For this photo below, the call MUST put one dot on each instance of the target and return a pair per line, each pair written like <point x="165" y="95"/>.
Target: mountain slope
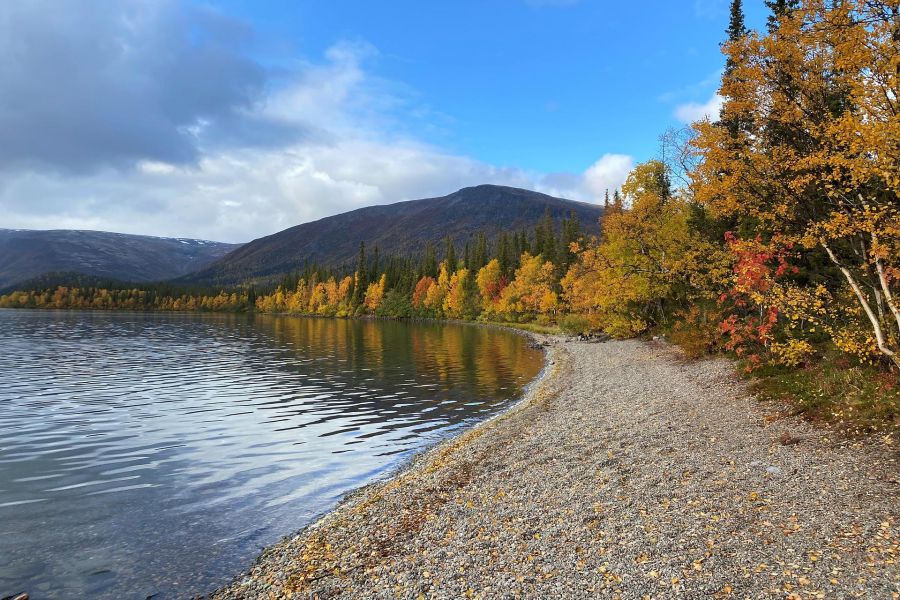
<point x="402" y="228"/>
<point x="26" y="255"/>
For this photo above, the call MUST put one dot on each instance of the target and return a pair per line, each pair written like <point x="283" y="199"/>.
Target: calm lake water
<point x="156" y="454"/>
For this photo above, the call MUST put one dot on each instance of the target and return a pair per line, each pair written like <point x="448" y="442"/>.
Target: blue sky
<point x="232" y="119"/>
<point x="542" y="85"/>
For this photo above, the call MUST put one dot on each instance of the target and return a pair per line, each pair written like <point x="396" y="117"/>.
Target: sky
<point x="234" y="119"/>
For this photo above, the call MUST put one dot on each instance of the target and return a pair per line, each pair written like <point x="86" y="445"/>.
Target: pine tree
<point x="735" y="33"/>
<point x="780" y="9"/>
<point x="524" y="245"/>
<point x="450" y="255"/>
<point x="504" y="253"/>
<point x="429" y="263"/>
<point x="481" y="251"/>
<point x="571" y="233"/>
<point x="374" y="271"/>
<point x="736" y="30"/>
<point x="548" y="230"/>
<point x="362" y="281"/>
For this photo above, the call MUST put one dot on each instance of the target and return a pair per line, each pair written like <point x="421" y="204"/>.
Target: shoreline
<point x="421" y="458"/>
<point x="623" y="472"/>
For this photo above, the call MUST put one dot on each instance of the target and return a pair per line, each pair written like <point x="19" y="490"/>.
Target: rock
<point x="22" y="596"/>
<point x="773" y="470"/>
<point x="787" y="439"/>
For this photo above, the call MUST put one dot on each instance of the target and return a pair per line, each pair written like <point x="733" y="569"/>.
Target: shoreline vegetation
<point x="624" y="471"/>
<point x="770" y="234"/>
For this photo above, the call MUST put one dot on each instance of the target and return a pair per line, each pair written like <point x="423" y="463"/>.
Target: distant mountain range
<point x="27" y="255"/>
<point x="403" y="228"/>
<point x="44" y="258"/>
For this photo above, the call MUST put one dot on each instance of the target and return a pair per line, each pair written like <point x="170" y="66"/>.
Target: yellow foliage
<point x="375" y="293"/>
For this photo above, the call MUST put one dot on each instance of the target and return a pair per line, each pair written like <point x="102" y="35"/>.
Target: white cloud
<point x="608" y="173"/>
<point x="355" y="150"/>
<point x="692" y="111"/>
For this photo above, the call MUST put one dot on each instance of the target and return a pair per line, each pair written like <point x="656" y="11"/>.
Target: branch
<point x="876" y="326"/>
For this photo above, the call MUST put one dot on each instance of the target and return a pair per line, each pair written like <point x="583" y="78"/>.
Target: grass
<point x="859" y="399"/>
<point x="530" y="327"/>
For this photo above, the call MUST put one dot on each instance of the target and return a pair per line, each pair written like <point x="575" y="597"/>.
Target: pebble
<point x="622" y="475"/>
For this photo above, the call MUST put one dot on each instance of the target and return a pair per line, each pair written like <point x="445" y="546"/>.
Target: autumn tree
<point x="461" y="299"/>
<point x="647" y="263"/>
<point x="490" y="281"/>
<point x="531" y="292"/>
<point x="816" y="161"/>
<point x="375" y="293"/>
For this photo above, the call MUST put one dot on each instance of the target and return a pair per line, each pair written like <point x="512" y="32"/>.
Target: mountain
<point x="27" y="255"/>
<point x="403" y="228"/>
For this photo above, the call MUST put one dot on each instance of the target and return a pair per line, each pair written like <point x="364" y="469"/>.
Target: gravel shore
<point x="626" y="472"/>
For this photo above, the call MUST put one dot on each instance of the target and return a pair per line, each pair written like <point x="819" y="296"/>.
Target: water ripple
<point x="155" y="454"/>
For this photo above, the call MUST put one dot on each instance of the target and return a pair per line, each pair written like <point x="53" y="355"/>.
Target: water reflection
<point x="155" y="454"/>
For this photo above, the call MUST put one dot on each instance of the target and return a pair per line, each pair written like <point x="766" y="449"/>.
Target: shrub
<point x="575" y="324"/>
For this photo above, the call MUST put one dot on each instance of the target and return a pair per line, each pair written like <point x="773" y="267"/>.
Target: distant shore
<point x="626" y="472"/>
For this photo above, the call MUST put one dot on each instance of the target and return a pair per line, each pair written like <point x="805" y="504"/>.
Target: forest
<point x="771" y="233"/>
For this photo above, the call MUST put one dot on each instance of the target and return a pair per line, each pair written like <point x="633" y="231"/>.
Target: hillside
<point x="27" y="255"/>
<point x="403" y="228"/>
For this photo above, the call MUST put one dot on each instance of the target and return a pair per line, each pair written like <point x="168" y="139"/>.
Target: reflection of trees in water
<point x="477" y="360"/>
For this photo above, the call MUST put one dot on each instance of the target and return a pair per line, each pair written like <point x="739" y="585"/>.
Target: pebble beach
<point x="626" y="472"/>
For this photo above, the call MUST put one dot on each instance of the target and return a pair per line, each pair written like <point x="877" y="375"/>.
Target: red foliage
<point x="749" y="328"/>
<point x="421" y="290"/>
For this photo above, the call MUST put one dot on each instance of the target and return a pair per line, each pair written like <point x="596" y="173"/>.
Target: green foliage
<point x="575" y="324"/>
<point x="396" y="304"/>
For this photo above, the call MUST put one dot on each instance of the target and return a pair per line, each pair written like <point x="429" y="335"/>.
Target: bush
<point x="697" y="332"/>
<point x="575" y="324"/>
<point x="396" y="304"/>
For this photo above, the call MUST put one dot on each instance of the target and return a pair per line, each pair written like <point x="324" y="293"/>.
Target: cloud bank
<point x="152" y="117"/>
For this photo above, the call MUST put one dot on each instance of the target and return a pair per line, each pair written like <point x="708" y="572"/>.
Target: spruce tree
<point x="481" y="251"/>
<point x="429" y="263"/>
<point x="362" y="281"/>
<point x="504" y="253"/>
<point x="779" y="9"/>
<point x="524" y="245"/>
<point x="736" y="30"/>
<point x="374" y="271"/>
<point x="450" y="255"/>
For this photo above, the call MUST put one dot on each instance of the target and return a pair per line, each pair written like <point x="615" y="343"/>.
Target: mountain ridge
<point x="400" y="228"/>
<point x="29" y="254"/>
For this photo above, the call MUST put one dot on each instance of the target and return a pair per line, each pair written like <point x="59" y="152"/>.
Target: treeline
<point x="514" y="277"/>
<point x="129" y="297"/>
<point x="772" y="232"/>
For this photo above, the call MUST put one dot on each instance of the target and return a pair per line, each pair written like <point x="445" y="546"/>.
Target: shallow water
<point x="156" y="454"/>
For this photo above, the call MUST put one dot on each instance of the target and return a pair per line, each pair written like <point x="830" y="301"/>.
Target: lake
<point x="155" y="455"/>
